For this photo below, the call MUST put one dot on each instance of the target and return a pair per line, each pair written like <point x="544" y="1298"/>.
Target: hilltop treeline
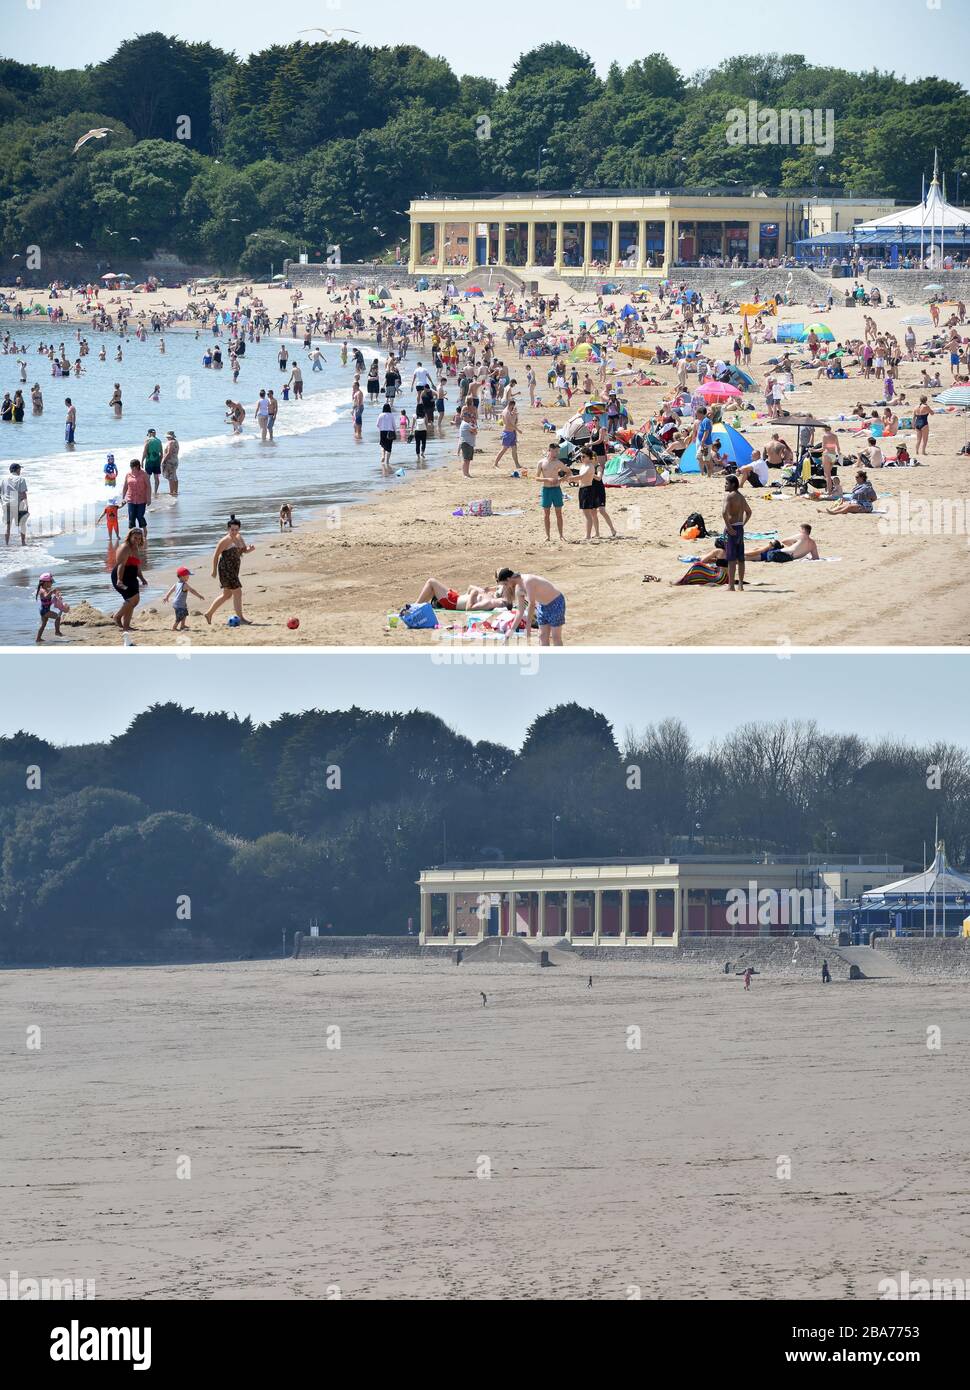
<point x="202" y="833"/>
<point x="238" y="163"/>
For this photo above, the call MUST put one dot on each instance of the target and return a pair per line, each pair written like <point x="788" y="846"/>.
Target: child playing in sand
<point x="51" y="605"/>
<point x="179" y="593"/>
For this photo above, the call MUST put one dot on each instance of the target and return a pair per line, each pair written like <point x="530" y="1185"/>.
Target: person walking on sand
<point x="126" y="576"/>
<point x="510" y="434"/>
<point x="484" y="997"/>
<point x="226" y="560"/>
<point x="826" y="975"/>
<point x="736" y="514"/>
<point x="747" y="977"/>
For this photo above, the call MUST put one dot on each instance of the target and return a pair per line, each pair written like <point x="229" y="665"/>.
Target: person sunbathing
<point x="475" y="599"/>
<point x="779" y="552"/>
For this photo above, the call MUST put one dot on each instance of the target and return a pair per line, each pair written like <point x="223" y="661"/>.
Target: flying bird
<point x="110" y="232"/>
<point x="98" y="133"/>
<point x="328" y="32"/>
<point x="15" y="256"/>
<point x="79" y="246"/>
<point x="134" y="238"/>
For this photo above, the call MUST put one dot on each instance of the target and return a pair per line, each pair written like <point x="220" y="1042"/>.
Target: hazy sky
<point x="915" y="38"/>
<point x="79" y="697"/>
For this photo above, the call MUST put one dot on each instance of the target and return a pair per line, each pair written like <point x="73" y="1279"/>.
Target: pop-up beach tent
<point x="734" y="446"/>
<point x="634" y="468"/>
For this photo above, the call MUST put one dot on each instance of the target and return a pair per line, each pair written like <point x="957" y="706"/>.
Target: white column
<point x="678" y="913"/>
<point x="415" y="246"/>
<point x="588" y="242"/>
<point x="615" y="243"/>
<point x="651" y="915"/>
<point x="597" y="916"/>
<point x="542" y="912"/>
<point x="625" y="916"/>
<point x="558" y="262"/>
<point x="441" y="230"/>
<point x="569" y="914"/>
<point x="424" y="929"/>
<point x="501" y="242"/>
<point x="452" y="918"/>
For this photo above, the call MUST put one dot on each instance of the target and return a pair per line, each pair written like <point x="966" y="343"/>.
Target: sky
<point x="915" y="38"/>
<point x="79" y="697"/>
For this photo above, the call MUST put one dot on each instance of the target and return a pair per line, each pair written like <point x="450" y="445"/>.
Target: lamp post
<point x="555" y="822"/>
<point x="961" y="174"/>
<point x="543" y="149"/>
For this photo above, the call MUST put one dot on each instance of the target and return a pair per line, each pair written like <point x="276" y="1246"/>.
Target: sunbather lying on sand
<point x="793" y="548"/>
<point x="474" y="600"/>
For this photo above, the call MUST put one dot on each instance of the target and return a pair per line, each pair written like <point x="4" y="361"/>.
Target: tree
<point x="548" y="56"/>
<point x="155" y="84"/>
<point x="140" y="191"/>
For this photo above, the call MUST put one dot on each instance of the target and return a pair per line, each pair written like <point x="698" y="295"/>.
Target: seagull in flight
<point x="79" y="246"/>
<point x="134" y="238"/>
<point x="98" y="133"/>
<point x="110" y="232"/>
<point x="329" y="33"/>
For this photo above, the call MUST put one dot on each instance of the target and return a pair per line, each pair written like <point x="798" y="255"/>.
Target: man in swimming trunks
<point x="798" y="547"/>
<point x="533" y="597"/>
<point x="736" y="514"/>
<point x="550" y="473"/>
<point x="510" y="434"/>
<point x="151" y="459"/>
<point x="702" y="436"/>
<point x="474" y="600"/>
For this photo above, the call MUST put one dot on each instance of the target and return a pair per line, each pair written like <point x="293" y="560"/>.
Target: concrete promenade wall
<point x="947" y="957"/>
<point x="907" y="285"/>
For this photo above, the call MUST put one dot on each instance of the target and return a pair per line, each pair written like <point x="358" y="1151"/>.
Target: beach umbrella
<point x="718" y="391"/>
<point x="932" y="289"/>
<point x="955" y="395"/>
<point x="821" y="330"/>
<point x="921" y="319"/>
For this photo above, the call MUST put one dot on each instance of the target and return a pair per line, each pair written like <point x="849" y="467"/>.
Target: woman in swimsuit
<point x="226" y="560"/>
<point x="126" y="576"/>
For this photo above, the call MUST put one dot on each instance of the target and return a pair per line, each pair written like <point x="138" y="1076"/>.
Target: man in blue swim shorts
<point x="534" y="598"/>
<point x="551" y="473"/>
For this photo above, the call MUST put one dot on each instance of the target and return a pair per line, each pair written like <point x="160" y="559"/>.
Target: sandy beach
<point x="611" y="1169"/>
<point x="340" y="575"/>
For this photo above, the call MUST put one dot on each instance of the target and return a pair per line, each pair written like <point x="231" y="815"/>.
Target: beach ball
<point x="293" y="624"/>
<point x="233" y="621"/>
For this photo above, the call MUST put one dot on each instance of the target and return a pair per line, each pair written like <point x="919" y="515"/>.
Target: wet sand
<point x="611" y="1168"/>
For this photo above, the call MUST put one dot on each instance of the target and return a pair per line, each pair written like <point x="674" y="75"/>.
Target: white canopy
<point x="939" y="878"/>
<point x="933" y="211"/>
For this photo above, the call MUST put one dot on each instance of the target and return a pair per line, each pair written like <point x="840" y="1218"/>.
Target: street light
<point x="961" y="174"/>
<point x="555" y="822"/>
<point x="542" y="150"/>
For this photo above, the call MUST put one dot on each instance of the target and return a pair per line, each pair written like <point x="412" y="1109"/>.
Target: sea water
<point x="315" y="462"/>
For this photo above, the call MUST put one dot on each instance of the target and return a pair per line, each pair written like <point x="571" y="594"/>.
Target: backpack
<point x="695" y="522"/>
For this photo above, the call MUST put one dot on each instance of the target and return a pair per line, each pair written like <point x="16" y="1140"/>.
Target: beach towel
<point x="711" y="575"/>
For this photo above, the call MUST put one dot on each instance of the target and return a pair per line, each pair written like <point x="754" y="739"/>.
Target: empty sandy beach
<point x="316" y="1170"/>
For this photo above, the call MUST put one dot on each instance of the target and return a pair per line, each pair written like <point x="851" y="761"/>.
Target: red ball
<point x="294" y="623"/>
